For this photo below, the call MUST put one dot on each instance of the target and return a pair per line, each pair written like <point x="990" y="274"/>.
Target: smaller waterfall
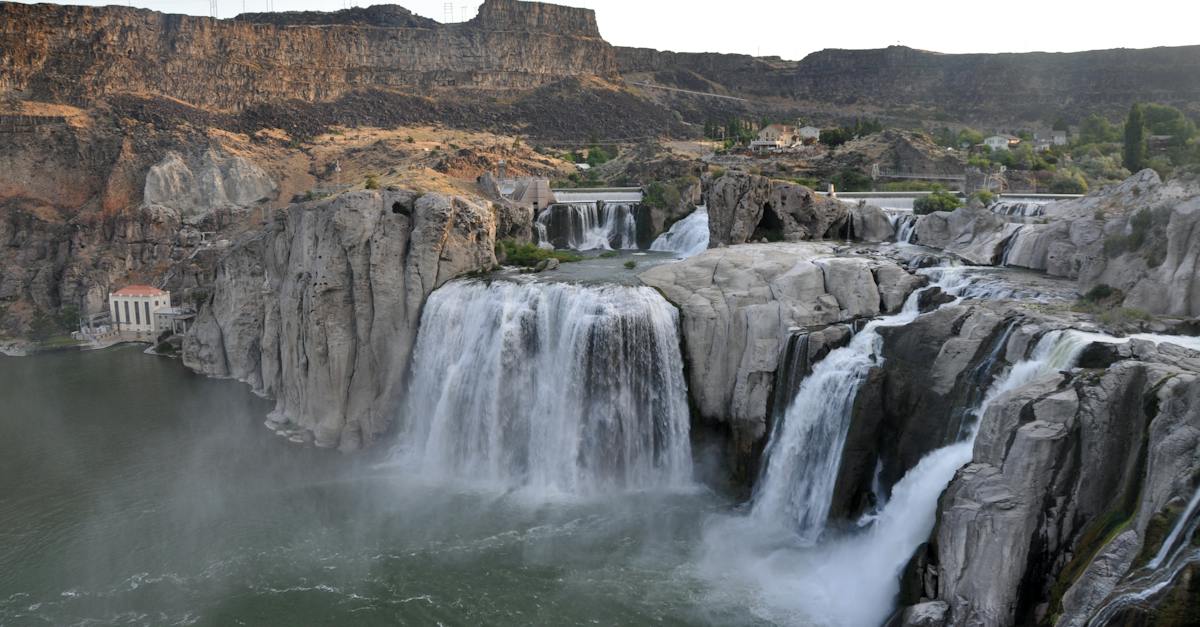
<point x="558" y="388"/>
<point x="1010" y="244"/>
<point x="904" y="223"/>
<point x="804" y="453"/>
<point x="1023" y="208"/>
<point x="588" y="225"/>
<point x="686" y="237"/>
<point x="1176" y="553"/>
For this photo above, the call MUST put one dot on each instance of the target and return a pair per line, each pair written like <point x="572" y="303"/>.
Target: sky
<point x="793" y="28"/>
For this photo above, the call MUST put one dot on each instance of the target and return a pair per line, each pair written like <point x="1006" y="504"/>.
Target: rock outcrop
<point x="320" y="311"/>
<point x="194" y="188"/>
<point x="748" y="208"/>
<point x="1137" y="237"/>
<point x="738" y="305"/>
<point x="1070" y="471"/>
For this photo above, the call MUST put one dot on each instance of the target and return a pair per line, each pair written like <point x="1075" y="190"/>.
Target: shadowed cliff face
<point x="80" y="54"/>
<point x="981" y="87"/>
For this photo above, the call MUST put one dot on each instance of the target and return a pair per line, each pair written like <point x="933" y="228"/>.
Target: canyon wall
<point x="79" y="54"/>
<point x="915" y="83"/>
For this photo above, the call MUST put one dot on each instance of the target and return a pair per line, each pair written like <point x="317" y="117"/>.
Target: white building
<point x="1001" y="142"/>
<point x="133" y="308"/>
<point x="773" y="136"/>
<point x="808" y="132"/>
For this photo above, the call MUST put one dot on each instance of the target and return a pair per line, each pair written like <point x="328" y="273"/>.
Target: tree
<point x="938" y="200"/>
<point x="1135" y="139"/>
<point x="1097" y="130"/>
<point x="1060" y="124"/>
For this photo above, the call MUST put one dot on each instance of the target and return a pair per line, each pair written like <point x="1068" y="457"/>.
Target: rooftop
<point x="139" y="290"/>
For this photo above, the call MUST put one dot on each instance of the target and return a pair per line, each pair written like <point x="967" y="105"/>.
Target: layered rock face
<point x="993" y="87"/>
<point x="320" y="311"/>
<point x="738" y="305"/>
<point x="80" y="54"/>
<point x="748" y="208"/>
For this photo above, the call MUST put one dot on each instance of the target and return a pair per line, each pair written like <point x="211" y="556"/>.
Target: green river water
<point x="135" y="492"/>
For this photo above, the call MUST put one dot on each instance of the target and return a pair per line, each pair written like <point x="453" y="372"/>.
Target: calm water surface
<point x="134" y="492"/>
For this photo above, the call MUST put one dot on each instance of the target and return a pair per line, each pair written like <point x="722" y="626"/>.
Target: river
<point x="134" y="492"/>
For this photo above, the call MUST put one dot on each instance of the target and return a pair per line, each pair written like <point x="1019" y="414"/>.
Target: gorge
<point x="682" y="388"/>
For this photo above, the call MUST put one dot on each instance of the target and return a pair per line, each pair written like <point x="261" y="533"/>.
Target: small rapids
<point x="904" y="223"/>
<point x="687" y="237"/>
<point x="551" y="387"/>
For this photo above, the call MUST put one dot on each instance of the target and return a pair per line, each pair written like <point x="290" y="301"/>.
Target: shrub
<point x="528" y="255"/>
<point x="939" y="200"/>
<point x="984" y="196"/>
<point x="372" y="182"/>
<point x="1068" y="182"/>
<point x="631" y="264"/>
<point x="608" y="254"/>
<point x="662" y="195"/>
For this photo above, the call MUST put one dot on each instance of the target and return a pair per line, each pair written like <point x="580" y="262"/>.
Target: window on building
<point x="127" y="312"/>
<point x="137" y="313"/>
<point x="149" y="320"/>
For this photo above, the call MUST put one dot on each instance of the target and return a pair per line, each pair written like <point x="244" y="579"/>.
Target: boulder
<point x="746" y="208"/>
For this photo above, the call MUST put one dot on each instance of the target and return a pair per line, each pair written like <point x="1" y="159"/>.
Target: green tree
<point x="1060" y="124"/>
<point x="1134" y="154"/>
<point x="938" y="200"/>
<point x="1097" y="130"/>
<point x="1166" y="120"/>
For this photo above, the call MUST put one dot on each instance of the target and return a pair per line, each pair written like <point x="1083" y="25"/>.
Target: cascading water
<point x="1023" y="208"/>
<point x="904" y="224"/>
<point x="849" y="579"/>
<point x="802" y="457"/>
<point x="552" y="387"/>
<point x="588" y="225"/>
<point x="1176" y="553"/>
<point x="686" y="237"/>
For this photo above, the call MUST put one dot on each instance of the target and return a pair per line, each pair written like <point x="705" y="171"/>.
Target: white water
<point x="588" y="225"/>
<point x="1026" y="207"/>
<point x="686" y="237"/>
<point x="851" y="579"/>
<point x="550" y="387"/>
<point x="904" y="223"/>
<point x="1175" y="554"/>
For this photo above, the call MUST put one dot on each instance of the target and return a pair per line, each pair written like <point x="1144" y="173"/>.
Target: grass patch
<point x="608" y="254"/>
<point x="529" y="255"/>
<point x="631" y="264"/>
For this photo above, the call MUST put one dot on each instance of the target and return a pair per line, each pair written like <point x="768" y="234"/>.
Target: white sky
<point x="794" y="28"/>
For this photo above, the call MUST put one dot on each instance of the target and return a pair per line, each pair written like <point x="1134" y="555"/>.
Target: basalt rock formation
<point x="229" y="65"/>
<point x="737" y="305"/>
<point x="320" y="310"/>
<point x="1137" y="237"/>
<point x="749" y="208"/>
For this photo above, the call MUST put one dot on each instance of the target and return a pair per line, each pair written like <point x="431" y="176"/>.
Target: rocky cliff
<point x="320" y="310"/>
<point x="987" y="88"/>
<point x="78" y="54"/>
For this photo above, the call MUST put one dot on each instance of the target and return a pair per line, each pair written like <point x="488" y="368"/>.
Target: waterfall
<point x="802" y="458"/>
<point x="589" y="225"/>
<point x="1010" y="243"/>
<point x="904" y="223"/>
<point x="1176" y="553"/>
<point x="551" y="387"/>
<point x="1023" y="208"/>
<point x="848" y="578"/>
<point x="686" y="237"/>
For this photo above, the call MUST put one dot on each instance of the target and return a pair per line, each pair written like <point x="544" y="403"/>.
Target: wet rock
<point x="745" y="207"/>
